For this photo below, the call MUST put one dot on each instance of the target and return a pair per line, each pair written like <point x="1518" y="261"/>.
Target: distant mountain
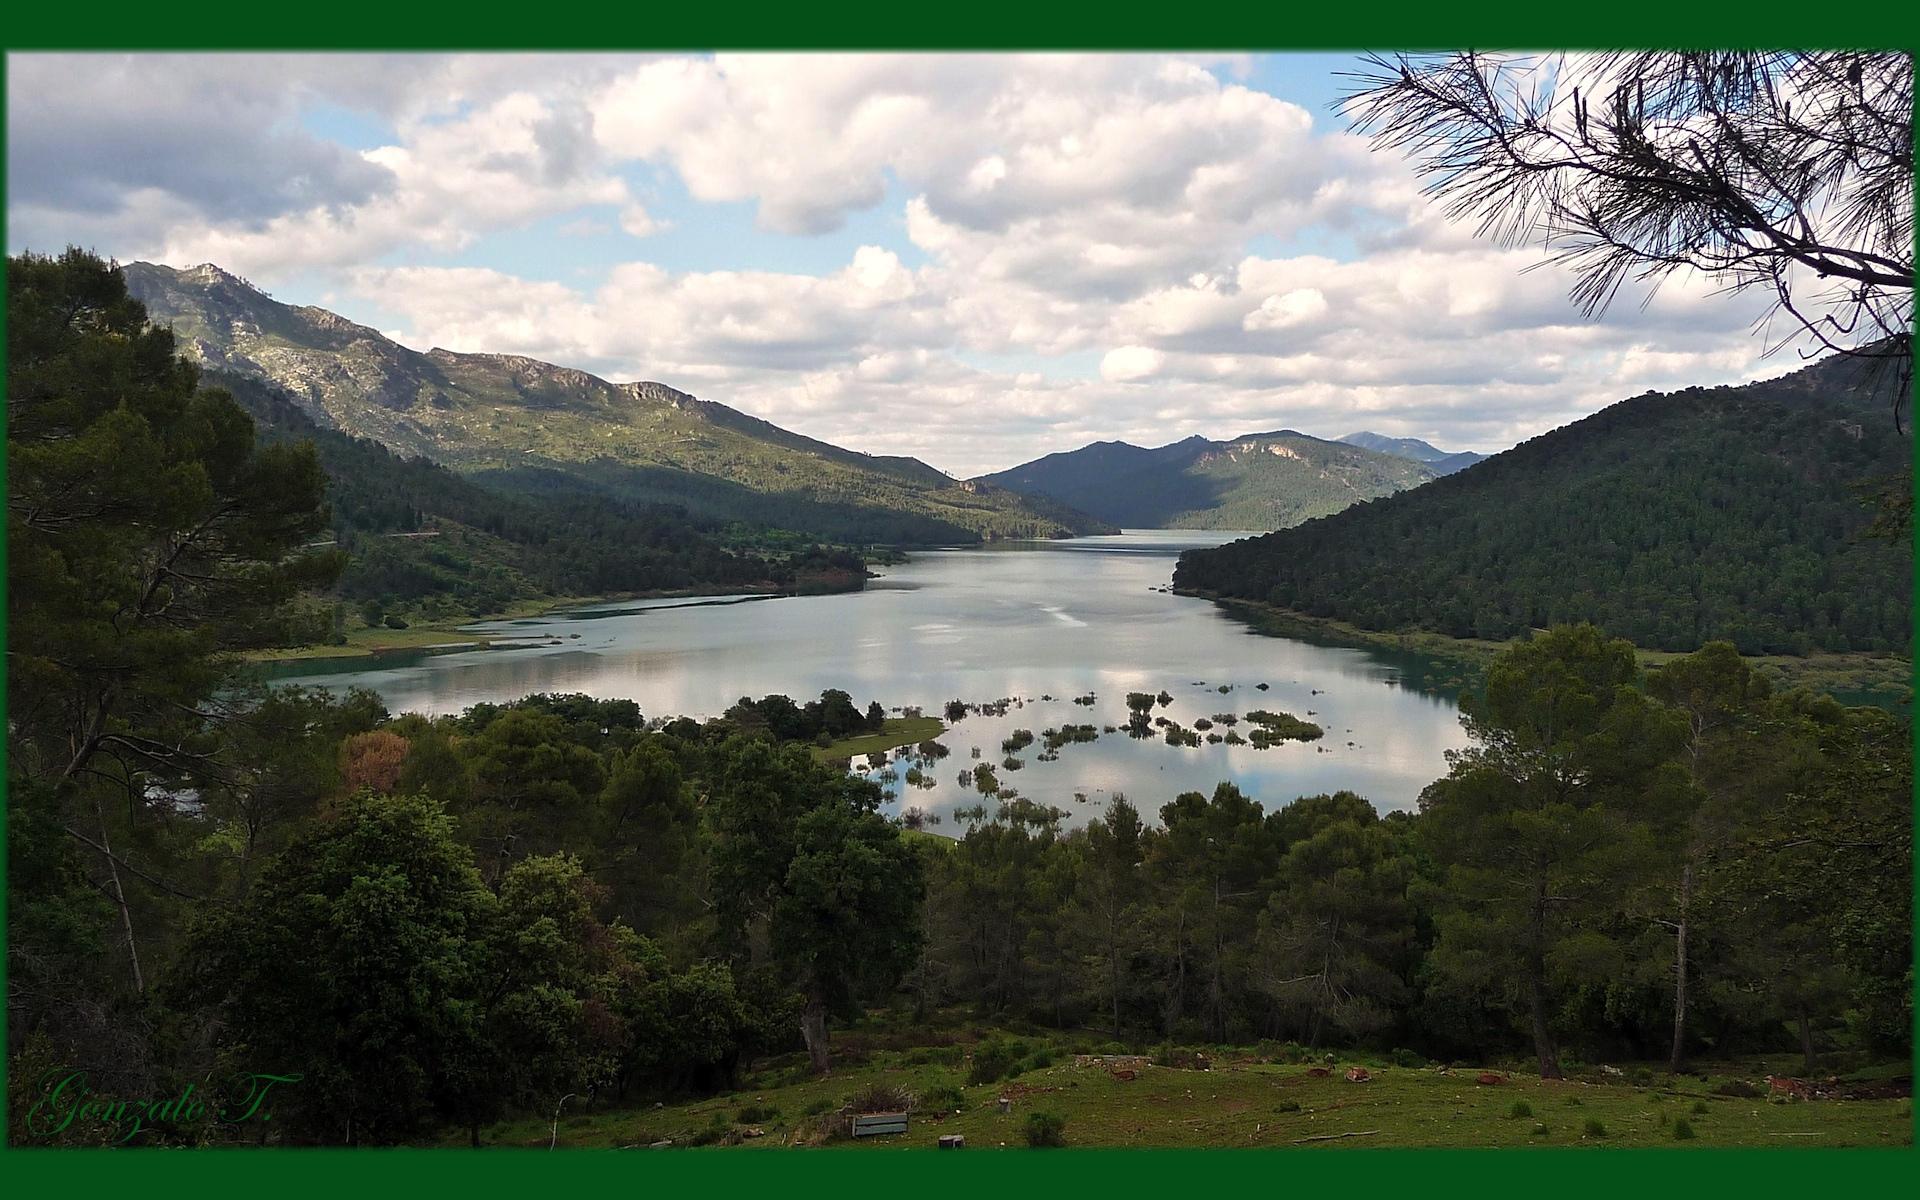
<point x="1259" y="481"/>
<point x="1670" y="519"/>
<point x="521" y="421"/>
<point x="423" y="539"/>
<point x="1443" y="462"/>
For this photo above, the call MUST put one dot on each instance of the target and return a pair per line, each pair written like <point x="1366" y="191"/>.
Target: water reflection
<point x="1019" y="621"/>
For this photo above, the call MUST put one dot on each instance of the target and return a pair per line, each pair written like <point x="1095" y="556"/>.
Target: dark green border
<point x="996" y="25"/>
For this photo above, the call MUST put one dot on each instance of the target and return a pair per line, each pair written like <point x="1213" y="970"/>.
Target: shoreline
<point x="1851" y="672"/>
<point x="445" y="633"/>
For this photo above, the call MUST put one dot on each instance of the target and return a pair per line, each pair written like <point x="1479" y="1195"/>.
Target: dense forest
<point x="1714" y="513"/>
<point x="437" y="923"/>
<point x="423" y="540"/>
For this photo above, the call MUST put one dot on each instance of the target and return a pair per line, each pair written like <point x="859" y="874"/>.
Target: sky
<point x="971" y="259"/>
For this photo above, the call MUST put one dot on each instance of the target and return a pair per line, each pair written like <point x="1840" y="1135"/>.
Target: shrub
<point x="1287" y="1106"/>
<point x="1593" y="1128"/>
<point x="1641" y="1077"/>
<point x="881" y="1097"/>
<point x="819" y="1106"/>
<point x="1040" y="1061"/>
<point x="1046" y="1129"/>
<point x="1409" y="1058"/>
<point x="1520" y="1109"/>
<point x="1539" y="1130"/>
<point x="1739" y="1089"/>
<point x="992" y="1062"/>
<point x="755" y="1114"/>
<point x="1573" y="1102"/>
<point x="394" y="623"/>
<point x="1700" y="1108"/>
<point x="1181" y="1058"/>
<point x="943" y="1097"/>
<point x="1683" y="1130"/>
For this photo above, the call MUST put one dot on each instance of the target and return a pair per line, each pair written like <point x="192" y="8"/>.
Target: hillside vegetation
<point x="638" y="441"/>
<point x="1259" y="481"/>
<point x="424" y="541"/>
<point x="1671" y="519"/>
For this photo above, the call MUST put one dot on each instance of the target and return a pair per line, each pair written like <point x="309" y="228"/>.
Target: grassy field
<point x="1244" y="1102"/>
<point x="367" y="641"/>
<point x="898" y="731"/>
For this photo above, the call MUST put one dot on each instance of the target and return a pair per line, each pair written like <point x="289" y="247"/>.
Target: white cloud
<point x="637" y="222"/>
<point x="1129" y="364"/>
<point x="1096" y="222"/>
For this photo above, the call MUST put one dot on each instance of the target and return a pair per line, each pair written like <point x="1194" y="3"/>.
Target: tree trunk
<point x="119" y="896"/>
<point x="1806" y="1041"/>
<point x="1543" y="1046"/>
<point x="813" y="1027"/>
<point x="1677" y="1062"/>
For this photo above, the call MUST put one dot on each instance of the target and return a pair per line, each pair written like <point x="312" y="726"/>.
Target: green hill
<point x="1669" y="519"/>
<point x="425" y="541"/>
<point x="514" y="417"/>
<point x="1259" y="481"/>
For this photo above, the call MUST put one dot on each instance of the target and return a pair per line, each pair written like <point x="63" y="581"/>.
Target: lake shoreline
<point x="1849" y="674"/>
<point x="456" y="632"/>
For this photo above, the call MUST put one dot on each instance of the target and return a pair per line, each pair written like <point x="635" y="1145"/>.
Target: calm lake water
<point x="1019" y="621"/>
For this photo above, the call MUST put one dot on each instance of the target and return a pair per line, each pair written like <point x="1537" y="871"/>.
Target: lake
<point x="1018" y="621"/>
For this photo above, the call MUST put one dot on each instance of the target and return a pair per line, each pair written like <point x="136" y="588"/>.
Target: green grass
<point x="898" y="731"/>
<point x="1238" y="1104"/>
<point x="367" y="641"/>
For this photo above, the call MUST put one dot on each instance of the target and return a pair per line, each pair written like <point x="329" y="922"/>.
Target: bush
<point x="992" y="1062"/>
<point x="1641" y="1077"/>
<point x="943" y="1097"/>
<point x="1539" y="1131"/>
<point x="1593" y="1128"/>
<point x="1287" y="1106"/>
<point x="1046" y="1129"/>
<point x="881" y="1097"/>
<point x="1700" y="1108"/>
<point x="819" y="1106"/>
<point x="1409" y="1058"/>
<point x="1682" y="1130"/>
<point x="394" y="623"/>
<point x="1040" y="1061"/>
<point x="1520" y="1109"/>
<point x="1181" y="1058"/>
<point x="755" y="1114"/>
<point x="1739" y="1089"/>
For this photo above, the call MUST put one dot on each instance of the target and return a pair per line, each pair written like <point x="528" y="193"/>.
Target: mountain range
<point x="1750" y="513"/>
<point x="1443" y="462"/>
<point x="1257" y="481"/>
<point x="531" y="425"/>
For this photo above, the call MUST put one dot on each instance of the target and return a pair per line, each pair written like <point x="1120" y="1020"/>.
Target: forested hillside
<point x="643" y="441"/>
<point x="1258" y="481"/>
<point x="424" y="540"/>
<point x="1671" y="519"/>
